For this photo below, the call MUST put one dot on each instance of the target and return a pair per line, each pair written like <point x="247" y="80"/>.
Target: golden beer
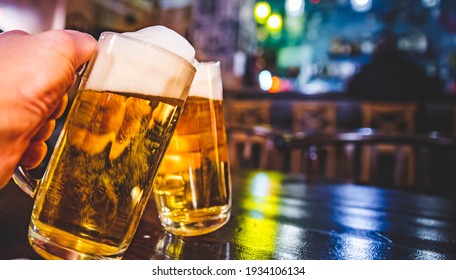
<point x="192" y="186"/>
<point x="91" y="201"/>
<point x="99" y="179"/>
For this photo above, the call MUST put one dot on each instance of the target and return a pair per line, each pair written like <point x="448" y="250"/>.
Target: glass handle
<point x="21" y="176"/>
<point x="25" y="181"/>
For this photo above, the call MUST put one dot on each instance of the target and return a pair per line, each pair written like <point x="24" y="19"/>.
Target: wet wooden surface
<point x="279" y="216"/>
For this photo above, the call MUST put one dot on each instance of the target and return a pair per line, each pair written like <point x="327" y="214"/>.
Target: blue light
<point x="430" y="3"/>
<point x="265" y="80"/>
<point x="361" y="5"/>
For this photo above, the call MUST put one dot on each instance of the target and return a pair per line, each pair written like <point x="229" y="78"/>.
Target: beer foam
<point x="207" y="82"/>
<point x="165" y="38"/>
<point x="147" y="62"/>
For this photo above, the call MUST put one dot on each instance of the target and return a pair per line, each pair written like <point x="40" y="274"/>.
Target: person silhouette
<point x="390" y="75"/>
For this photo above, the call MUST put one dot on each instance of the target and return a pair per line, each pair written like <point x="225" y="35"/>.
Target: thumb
<point x="85" y="46"/>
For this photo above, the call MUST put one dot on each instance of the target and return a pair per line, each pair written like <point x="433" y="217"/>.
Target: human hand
<point x="37" y="71"/>
<point x="37" y="149"/>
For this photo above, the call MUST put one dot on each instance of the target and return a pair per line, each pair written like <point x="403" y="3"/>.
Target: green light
<point x="274" y="23"/>
<point x="262" y="11"/>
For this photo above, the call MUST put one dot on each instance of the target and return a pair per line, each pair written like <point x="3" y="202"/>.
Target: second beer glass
<point x="192" y="188"/>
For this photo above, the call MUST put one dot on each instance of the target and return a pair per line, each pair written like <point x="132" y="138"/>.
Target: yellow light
<point x="262" y="11"/>
<point x="274" y="23"/>
<point x="258" y="199"/>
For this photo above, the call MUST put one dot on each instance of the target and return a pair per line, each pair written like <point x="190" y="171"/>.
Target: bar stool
<point x="248" y="141"/>
<point x="389" y="118"/>
<point x="249" y="112"/>
<point x="310" y="118"/>
<point x="256" y="147"/>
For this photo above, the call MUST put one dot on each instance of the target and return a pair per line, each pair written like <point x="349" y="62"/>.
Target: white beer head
<point x="145" y="62"/>
<point x="207" y="82"/>
<point x="165" y="38"/>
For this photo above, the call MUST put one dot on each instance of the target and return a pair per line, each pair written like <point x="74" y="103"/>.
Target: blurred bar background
<point x="305" y="46"/>
<point x="329" y="58"/>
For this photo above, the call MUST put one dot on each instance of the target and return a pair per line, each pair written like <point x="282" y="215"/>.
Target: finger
<point x="66" y="51"/>
<point x="86" y="46"/>
<point x="60" y="108"/>
<point x="45" y="132"/>
<point x="80" y="46"/>
<point x="14" y="32"/>
<point x="34" y="155"/>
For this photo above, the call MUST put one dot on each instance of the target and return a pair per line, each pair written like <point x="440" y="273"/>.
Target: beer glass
<point x="99" y="178"/>
<point x="192" y="189"/>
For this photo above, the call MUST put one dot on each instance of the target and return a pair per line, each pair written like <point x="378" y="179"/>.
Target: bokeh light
<point x="262" y="11"/>
<point x="265" y="80"/>
<point x="361" y="5"/>
<point x="274" y="23"/>
<point x="294" y="7"/>
<point x="430" y="3"/>
<point x="276" y="85"/>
